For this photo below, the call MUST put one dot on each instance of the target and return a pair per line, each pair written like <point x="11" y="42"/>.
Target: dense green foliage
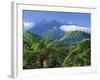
<point x="43" y="52"/>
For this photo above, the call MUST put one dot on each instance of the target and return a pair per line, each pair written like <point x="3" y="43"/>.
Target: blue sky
<point x="81" y="19"/>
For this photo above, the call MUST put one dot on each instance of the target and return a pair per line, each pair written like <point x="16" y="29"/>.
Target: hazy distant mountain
<point x="43" y="26"/>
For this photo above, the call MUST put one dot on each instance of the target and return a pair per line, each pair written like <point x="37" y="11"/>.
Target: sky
<point x="80" y="20"/>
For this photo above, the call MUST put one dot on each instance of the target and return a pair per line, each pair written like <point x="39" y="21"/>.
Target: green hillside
<point x="39" y="52"/>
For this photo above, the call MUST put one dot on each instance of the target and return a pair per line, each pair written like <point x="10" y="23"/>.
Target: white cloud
<point x="67" y="28"/>
<point x="28" y="25"/>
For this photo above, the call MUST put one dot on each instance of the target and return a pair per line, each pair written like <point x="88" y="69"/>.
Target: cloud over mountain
<point x="67" y="28"/>
<point x="28" y="25"/>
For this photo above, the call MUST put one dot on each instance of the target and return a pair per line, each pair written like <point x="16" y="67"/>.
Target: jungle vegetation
<point x="44" y="52"/>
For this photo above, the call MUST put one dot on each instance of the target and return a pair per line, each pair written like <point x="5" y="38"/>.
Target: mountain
<point x="45" y="25"/>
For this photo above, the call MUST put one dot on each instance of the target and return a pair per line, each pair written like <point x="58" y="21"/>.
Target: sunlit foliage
<point x="44" y="52"/>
